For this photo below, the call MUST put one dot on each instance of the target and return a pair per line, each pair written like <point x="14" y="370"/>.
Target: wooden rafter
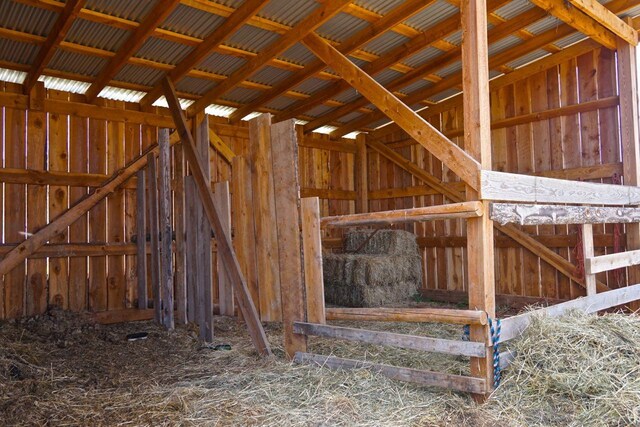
<point x="388" y="21"/>
<point x="56" y="35"/>
<point x="237" y="19"/>
<point x="607" y="18"/>
<point x="450" y="154"/>
<point x="578" y="20"/>
<point x="304" y="27"/>
<point x="130" y="46"/>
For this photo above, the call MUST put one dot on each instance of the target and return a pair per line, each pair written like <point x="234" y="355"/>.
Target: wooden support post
<point x="361" y="171"/>
<point x="225" y="290"/>
<point x="312" y="252"/>
<point x="630" y="135"/>
<point x="154" y="232"/>
<point x="588" y="251"/>
<point x="164" y="210"/>
<point x="179" y="225"/>
<point x="190" y="194"/>
<point x="284" y="155"/>
<point x="477" y="130"/>
<point x="141" y="241"/>
<point x="225" y="248"/>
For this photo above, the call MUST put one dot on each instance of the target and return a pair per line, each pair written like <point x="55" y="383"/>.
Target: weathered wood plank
<point x="389" y="339"/>
<point x="426" y="378"/>
<point x="179" y="224"/>
<point x="361" y="180"/>
<point x="164" y="216"/>
<point x="225" y="289"/>
<point x="587" y="250"/>
<point x="448" y="211"/>
<point x="442" y="315"/>
<point x="513" y="327"/>
<point x="593" y="265"/>
<point x="154" y="230"/>
<point x="191" y="261"/>
<point x="312" y="253"/>
<point x="522" y="214"/>
<point x="141" y="241"/>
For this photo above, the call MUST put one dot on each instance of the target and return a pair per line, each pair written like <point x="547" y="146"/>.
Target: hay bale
<point x="386" y="271"/>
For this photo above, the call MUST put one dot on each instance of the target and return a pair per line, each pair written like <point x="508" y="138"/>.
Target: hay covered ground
<point x="63" y="370"/>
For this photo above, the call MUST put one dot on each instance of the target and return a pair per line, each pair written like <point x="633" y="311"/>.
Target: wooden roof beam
<point x="319" y="16"/>
<point x="56" y="35"/>
<point x="154" y="18"/>
<point x="578" y="20"/>
<point x="608" y="19"/>
<point x="236" y="20"/>
<point x="461" y="163"/>
<point x="390" y="20"/>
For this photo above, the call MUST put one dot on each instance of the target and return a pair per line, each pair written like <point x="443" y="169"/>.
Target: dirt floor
<point x="62" y="370"/>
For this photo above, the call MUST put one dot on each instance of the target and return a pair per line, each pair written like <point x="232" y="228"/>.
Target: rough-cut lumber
<point x="141" y="227"/>
<point x="608" y="19"/>
<point x="225" y="290"/>
<point x="513" y="327"/>
<point x="179" y="220"/>
<point x="429" y="213"/>
<point x="587" y="251"/>
<point x="461" y="297"/>
<point x="504" y="213"/>
<point x="442" y="315"/>
<point x="426" y="378"/>
<point x="312" y="253"/>
<point x="191" y="259"/>
<point x="26" y="248"/>
<point x="450" y="154"/>
<point x="389" y="339"/>
<point x="164" y="217"/>
<point x="218" y="144"/>
<point x="361" y="179"/>
<point x="537" y="189"/>
<point x="225" y="249"/>
<point x="328" y="193"/>
<point x="154" y="231"/>
<point x="41" y="177"/>
<point x="593" y="265"/>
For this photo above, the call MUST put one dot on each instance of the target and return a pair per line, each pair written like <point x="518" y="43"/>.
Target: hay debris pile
<point x="575" y="370"/>
<point x="378" y="268"/>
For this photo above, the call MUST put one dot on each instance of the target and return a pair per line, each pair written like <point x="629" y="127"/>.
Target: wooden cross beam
<point x="154" y="18"/>
<point x="225" y="247"/>
<point x="461" y="163"/>
<point x="56" y="35"/>
<point x="236" y="20"/>
<point x="60" y="224"/>
<point x="608" y="19"/>
<point x="318" y="17"/>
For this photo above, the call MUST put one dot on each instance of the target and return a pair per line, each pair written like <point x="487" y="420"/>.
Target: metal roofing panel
<point x="543" y="25"/>
<point x="139" y="75"/>
<point x="513" y="9"/>
<point x="504" y="44"/>
<point x="432" y="15"/>
<point x="450" y="69"/>
<point x="351" y="116"/>
<point x="312" y="85"/>
<point x="381" y="7"/>
<point x="164" y="51"/>
<point x="194" y="85"/>
<point x="319" y="110"/>
<point x="119" y="94"/>
<point x="632" y="13"/>
<point x="98" y="35"/>
<point x="241" y="95"/>
<point x="415" y="86"/>
<point x="280" y="103"/>
<point x="298" y="54"/>
<point x="77" y="63"/>
<point x="252" y="38"/>
<point x="385" y="42"/>
<point x="28" y="19"/>
<point x="127" y="9"/>
<point x="270" y="75"/>
<point x="288" y="12"/>
<point x="378" y="123"/>
<point x="529" y="57"/>
<point x="422" y="57"/>
<point x="570" y="39"/>
<point x="341" y="27"/>
<point x="444" y="95"/>
<point x="193" y="22"/>
<point x="387" y="76"/>
<point x="221" y="64"/>
<point x="64" y="85"/>
<point x="15" y="51"/>
<point x="347" y="96"/>
<point x="455" y="38"/>
<point x="12" y="76"/>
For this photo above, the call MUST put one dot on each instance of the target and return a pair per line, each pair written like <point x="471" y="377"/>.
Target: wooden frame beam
<point x="319" y="16"/>
<point x="236" y="20"/>
<point x="450" y="154"/>
<point x="517" y="213"/>
<point x="225" y="247"/>
<point x="608" y="19"/>
<point x="56" y="35"/>
<point x="154" y="18"/>
<point x="420" y="315"/>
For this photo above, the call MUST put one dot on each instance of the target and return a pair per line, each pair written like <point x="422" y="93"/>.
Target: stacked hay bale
<point x="378" y="268"/>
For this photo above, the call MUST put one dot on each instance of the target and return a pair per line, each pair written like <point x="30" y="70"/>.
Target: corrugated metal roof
<point x="349" y="117"/>
<point x="422" y="57"/>
<point x="530" y="57"/>
<point x="280" y="103"/>
<point x="385" y="42"/>
<point x="139" y="75"/>
<point x="312" y="85"/>
<point x="64" y="85"/>
<point x="444" y="95"/>
<point x="569" y="40"/>
<point x="241" y="95"/>
<point x="76" y="63"/>
<point x="127" y="9"/>
<point x="432" y="15"/>
<point x="298" y="54"/>
<point x="387" y="76"/>
<point x="450" y="69"/>
<point x="504" y="44"/>
<point x="270" y="75"/>
<point x="455" y="38"/>
<point x="287" y="12"/>
<point x="14" y="51"/>
<point x="28" y="19"/>
<point x="192" y="22"/>
<point x="194" y="85"/>
<point x="164" y="51"/>
<point x="417" y="85"/>
<point x="347" y="96"/>
<point x="252" y="38"/>
<point x="381" y="7"/>
<point x="12" y="76"/>
<point x="543" y="25"/>
<point x="221" y="64"/>
<point x="341" y="27"/>
<point x="319" y="110"/>
<point x="98" y="35"/>
<point x="119" y="94"/>
<point x="513" y="9"/>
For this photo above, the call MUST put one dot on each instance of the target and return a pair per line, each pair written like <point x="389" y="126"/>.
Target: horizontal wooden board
<point x="441" y="315"/>
<point x="522" y="214"/>
<point x="593" y="265"/>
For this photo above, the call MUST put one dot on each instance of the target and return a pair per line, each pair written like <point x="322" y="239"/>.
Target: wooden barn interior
<point x="176" y="159"/>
